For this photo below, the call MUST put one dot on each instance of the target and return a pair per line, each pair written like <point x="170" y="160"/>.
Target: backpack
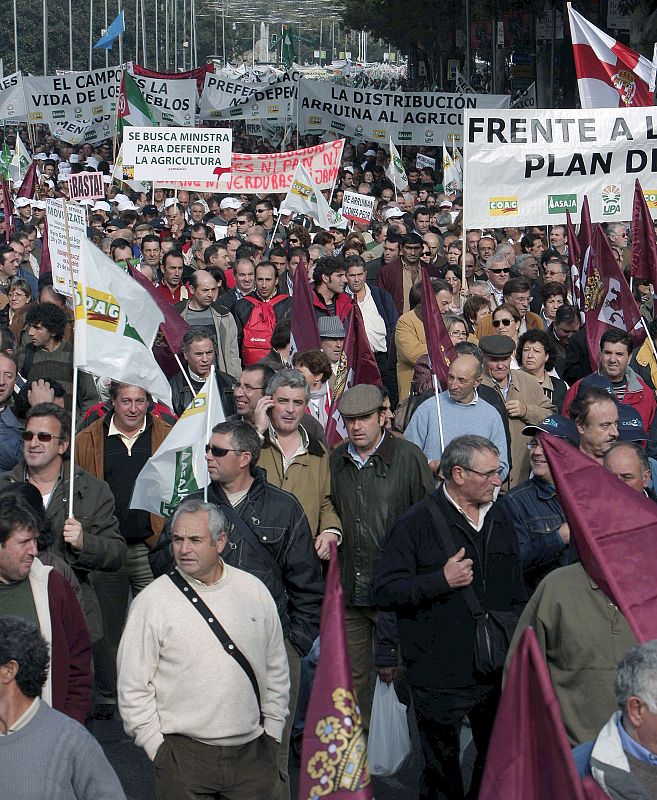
<point x="258" y="330"/>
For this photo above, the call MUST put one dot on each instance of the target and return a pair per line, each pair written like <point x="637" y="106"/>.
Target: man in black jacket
<point x="272" y="541"/>
<point x="451" y="540"/>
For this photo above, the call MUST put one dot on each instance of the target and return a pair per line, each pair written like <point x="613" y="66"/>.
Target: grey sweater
<point x="54" y="757"/>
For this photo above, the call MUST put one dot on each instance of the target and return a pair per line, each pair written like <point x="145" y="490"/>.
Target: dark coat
<point x="279" y="523"/>
<point x="181" y="394"/>
<point x="577" y="364"/>
<point x="391" y="279"/>
<point x="369" y="501"/>
<point x="436" y="627"/>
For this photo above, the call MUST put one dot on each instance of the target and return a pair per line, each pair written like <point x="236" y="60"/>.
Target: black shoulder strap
<point x="215" y="626"/>
<point x="442" y="526"/>
<point x="250" y="536"/>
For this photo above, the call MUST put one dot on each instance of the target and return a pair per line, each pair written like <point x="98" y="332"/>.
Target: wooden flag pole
<point x="208" y="423"/>
<point x="464" y="230"/>
<point x="184" y="374"/>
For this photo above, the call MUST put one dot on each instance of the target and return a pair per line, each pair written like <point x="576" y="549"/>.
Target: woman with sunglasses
<point x="506" y="322"/>
<point x="298" y="236"/>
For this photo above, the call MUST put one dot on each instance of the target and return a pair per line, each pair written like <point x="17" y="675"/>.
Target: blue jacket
<point x="537" y="516"/>
<point x="31" y="280"/>
<point x="11" y="444"/>
<point x="386" y="307"/>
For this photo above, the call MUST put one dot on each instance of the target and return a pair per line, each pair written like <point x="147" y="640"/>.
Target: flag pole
<point x="74" y="390"/>
<point x="464" y="230"/>
<point x="208" y="422"/>
<point x="436" y="391"/>
<point x="650" y="339"/>
<point x="184" y="374"/>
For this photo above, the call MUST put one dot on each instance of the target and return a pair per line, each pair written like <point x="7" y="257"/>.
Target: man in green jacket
<point x="375" y="477"/>
<point x="89" y="538"/>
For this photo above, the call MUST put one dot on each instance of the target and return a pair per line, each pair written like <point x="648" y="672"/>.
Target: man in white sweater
<point x="188" y="700"/>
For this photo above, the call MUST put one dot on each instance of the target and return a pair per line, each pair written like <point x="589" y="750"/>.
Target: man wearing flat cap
<point x="375" y="477"/>
<point x="523" y="397"/>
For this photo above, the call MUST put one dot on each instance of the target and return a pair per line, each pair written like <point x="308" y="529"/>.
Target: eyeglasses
<point x="42" y="436"/>
<point x="246" y="388"/>
<point x="220" y="452"/>
<point x="505" y="322"/>
<point x="500" y="271"/>
<point x="533" y="444"/>
<point x="486" y="475"/>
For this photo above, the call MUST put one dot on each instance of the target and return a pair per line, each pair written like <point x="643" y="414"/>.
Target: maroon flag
<point x="585" y="227"/>
<point x="174" y="326"/>
<point x="615" y="530"/>
<point x="357" y="365"/>
<point x="305" y="333"/>
<point x="45" y="267"/>
<point x="29" y="182"/>
<point x="644" y="247"/>
<point x="197" y="74"/>
<point x="608" y="302"/>
<point x="8" y="208"/>
<point x="575" y="262"/>
<point x="529" y="756"/>
<point x="439" y="345"/>
<point x="334" y="752"/>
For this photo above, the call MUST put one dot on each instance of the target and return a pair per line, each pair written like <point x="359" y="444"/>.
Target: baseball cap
<point x="229" y="202"/>
<point x="557" y="425"/>
<point x="101" y="205"/>
<point x="630" y="425"/>
<point x="150" y="210"/>
<point x="599" y="381"/>
<point x="389" y="213"/>
<point x="21" y="202"/>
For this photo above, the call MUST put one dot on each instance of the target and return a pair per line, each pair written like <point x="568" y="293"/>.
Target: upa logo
<point x="650" y="196"/>
<point x="502" y="206"/>
<point x="625" y="84"/>
<point x="560" y="203"/>
<point x="611" y="200"/>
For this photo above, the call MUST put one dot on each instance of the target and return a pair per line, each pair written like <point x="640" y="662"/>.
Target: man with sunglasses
<point x="89" y="538"/>
<point x="454" y="539"/>
<point x="497" y="271"/>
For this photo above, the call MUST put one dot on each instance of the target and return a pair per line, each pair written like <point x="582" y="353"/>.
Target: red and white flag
<point x="609" y="73"/>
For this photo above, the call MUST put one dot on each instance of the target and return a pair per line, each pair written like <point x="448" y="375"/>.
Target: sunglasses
<point x="220" y="452"/>
<point x="27" y="436"/>
<point x="505" y="322"/>
<point x="500" y="271"/>
<point x="293" y="240"/>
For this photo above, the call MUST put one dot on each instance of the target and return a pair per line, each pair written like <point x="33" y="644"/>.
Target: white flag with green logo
<point x="20" y="161"/>
<point x="305" y="197"/>
<point x="178" y="468"/>
<point x="452" y="176"/>
<point x="395" y="170"/>
<point x="116" y="322"/>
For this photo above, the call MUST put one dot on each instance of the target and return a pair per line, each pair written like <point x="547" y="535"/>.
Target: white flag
<point x="305" y="197"/>
<point x="116" y="321"/>
<point x="395" y="170"/>
<point x="20" y="161"/>
<point x="178" y="468"/>
<point x="452" y="177"/>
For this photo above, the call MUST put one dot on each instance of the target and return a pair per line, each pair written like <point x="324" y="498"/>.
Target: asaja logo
<point x="338" y="126"/>
<point x="651" y="197"/>
<point x="404" y="136"/>
<point x="560" y="203"/>
<point x="611" y="200"/>
<point x="502" y="206"/>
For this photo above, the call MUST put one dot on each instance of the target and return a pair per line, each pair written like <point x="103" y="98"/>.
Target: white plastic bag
<point x="389" y="742"/>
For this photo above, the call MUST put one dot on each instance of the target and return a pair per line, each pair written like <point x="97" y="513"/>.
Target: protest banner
<point x="424" y="161"/>
<point x="530" y="167"/>
<point x="197" y="75"/>
<point x="86" y="186"/>
<point x="227" y="99"/>
<point x="407" y="117"/>
<point x="72" y="96"/>
<point x="12" y="97"/>
<point x="255" y="173"/>
<point x="168" y="154"/>
<point x="358" y="207"/>
<point x="172" y="102"/>
<point x="84" y="131"/>
<point x="59" y="242"/>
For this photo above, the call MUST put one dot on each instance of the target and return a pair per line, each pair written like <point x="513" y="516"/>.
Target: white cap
<point x="284" y="212"/>
<point x="86" y="202"/>
<point x="170" y="201"/>
<point x="41" y="204"/>
<point x="107" y="179"/>
<point x="129" y="206"/>
<point x="445" y="204"/>
<point x="74" y="158"/>
<point x="102" y="205"/>
<point x="230" y="202"/>
<point x="21" y="202"/>
<point x="41" y="156"/>
<point x="370" y="152"/>
<point x="348" y="168"/>
<point x="92" y="162"/>
<point x="120" y="198"/>
<point x="390" y="213"/>
<point x="53" y="157"/>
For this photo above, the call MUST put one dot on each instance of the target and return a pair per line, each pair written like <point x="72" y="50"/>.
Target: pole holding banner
<point x="74" y="392"/>
<point x="208" y="422"/>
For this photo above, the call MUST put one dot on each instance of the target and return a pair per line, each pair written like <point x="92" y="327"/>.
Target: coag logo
<point x="611" y="200"/>
<point x="378" y="134"/>
<point x="502" y="206"/>
<point x="650" y="197"/>
<point x="314" y="120"/>
<point x="102" y="310"/>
